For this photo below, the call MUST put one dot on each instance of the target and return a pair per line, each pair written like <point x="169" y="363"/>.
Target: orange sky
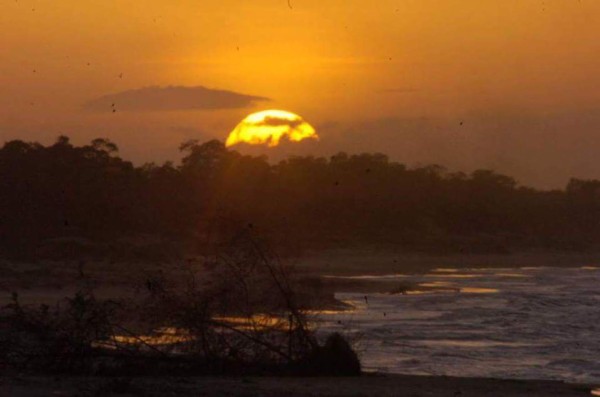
<point x="396" y="76"/>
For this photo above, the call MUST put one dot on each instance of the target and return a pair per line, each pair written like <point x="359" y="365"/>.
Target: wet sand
<point x="368" y="385"/>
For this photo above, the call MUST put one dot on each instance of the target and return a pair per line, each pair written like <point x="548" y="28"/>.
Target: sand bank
<point x="369" y="385"/>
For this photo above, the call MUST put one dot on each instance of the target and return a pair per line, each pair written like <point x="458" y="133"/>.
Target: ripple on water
<point x="515" y="275"/>
<point x="435" y="284"/>
<point x="479" y="290"/>
<point x="546" y="327"/>
<point x="475" y="344"/>
<point x="368" y="277"/>
<point x="455" y="275"/>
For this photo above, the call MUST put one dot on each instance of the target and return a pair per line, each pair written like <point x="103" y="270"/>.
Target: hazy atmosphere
<point x="510" y="85"/>
<point x="327" y="198"/>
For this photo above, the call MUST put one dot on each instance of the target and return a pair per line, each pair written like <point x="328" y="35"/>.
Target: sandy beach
<point x="368" y="385"/>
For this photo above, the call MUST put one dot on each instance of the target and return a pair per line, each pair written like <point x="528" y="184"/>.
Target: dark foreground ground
<point x="48" y="282"/>
<point x="370" y="385"/>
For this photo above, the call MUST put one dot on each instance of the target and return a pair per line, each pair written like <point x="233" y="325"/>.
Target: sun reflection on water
<point x="478" y="290"/>
<point x="454" y="275"/>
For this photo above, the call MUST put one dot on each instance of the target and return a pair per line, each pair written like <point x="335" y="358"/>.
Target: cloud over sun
<point x="269" y="126"/>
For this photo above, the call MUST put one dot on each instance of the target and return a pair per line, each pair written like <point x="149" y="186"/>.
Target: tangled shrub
<point x="240" y="308"/>
<point x="237" y="315"/>
<point x="60" y="339"/>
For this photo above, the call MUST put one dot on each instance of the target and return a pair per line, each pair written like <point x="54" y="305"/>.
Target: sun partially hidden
<point x="269" y="126"/>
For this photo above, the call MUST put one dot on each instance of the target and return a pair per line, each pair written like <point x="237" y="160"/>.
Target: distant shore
<point x="368" y="385"/>
<point x="46" y="282"/>
<point x="379" y="261"/>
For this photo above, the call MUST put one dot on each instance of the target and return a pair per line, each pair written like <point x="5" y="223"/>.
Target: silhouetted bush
<point x="58" y="339"/>
<point x="335" y="358"/>
<point x="235" y="314"/>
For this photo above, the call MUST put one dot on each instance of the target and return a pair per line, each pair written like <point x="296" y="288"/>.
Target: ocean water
<point x="530" y="323"/>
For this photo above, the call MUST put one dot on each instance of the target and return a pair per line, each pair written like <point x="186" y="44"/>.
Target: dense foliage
<point x="87" y="197"/>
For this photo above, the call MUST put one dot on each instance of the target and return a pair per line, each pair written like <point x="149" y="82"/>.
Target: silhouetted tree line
<point x="87" y="196"/>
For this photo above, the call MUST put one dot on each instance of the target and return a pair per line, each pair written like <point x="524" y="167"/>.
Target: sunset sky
<point x="512" y="85"/>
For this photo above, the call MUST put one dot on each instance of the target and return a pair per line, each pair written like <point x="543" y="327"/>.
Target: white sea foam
<point x="540" y="324"/>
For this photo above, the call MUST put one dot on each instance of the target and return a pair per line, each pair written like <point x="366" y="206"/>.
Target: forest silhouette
<point x="64" y="200"/>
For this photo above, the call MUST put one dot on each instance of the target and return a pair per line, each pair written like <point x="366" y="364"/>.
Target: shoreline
<point x="377" y="384"/>
<point x="323" y="272"/>
<point x="377" y="262"/>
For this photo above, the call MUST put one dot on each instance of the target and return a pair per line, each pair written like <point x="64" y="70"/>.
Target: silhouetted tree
<point x="89" y="194"/>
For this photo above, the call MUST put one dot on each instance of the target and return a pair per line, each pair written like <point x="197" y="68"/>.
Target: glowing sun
<point x="269" y="126"/>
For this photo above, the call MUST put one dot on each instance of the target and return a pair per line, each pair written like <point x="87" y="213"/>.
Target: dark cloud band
<point x="172" y="98"/>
